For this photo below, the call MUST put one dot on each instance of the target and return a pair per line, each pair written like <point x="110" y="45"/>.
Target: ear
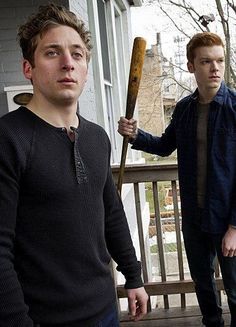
<point x="27" y="69"/>
<point x="190" y="67"/>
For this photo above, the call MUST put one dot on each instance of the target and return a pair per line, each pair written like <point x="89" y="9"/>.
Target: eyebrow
<point x="209" y="58"/>
<point x="58" y="46"/>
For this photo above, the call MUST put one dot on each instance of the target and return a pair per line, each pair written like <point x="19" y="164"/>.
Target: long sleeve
<point x="118" y="236"/>
<point x="232" y="220"/>
<point x="162" y="146"/>
<point x="13" y="310"/>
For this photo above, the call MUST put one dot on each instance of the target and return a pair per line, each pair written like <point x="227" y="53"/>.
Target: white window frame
<point x="110" y="96"/>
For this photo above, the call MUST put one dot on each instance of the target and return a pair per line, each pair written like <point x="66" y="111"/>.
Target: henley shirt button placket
<point x="79" y="166"/>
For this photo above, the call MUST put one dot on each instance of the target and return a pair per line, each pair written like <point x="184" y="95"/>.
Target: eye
<point x="78" y="54"/>
<point x="52" y="53"/>
<point x="205" y="62"/>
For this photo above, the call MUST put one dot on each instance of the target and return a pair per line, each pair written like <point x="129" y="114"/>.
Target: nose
<point x="67" y="62"/>
<point x="67" y="67"/>
<point x="214" y="66"/>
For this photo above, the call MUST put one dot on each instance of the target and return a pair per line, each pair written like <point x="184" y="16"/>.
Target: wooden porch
<point x="168" y="283"/>
<point x="177" y="317"/>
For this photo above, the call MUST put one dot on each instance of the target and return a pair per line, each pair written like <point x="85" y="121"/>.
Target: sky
<point x="146" y="22"/>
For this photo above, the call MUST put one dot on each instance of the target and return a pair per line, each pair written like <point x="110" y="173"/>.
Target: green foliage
<point x="161" y="195"/>
<point x="168" y="247"/>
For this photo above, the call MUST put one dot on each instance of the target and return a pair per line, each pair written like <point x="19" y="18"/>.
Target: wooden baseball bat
<point x="135" y="74"/>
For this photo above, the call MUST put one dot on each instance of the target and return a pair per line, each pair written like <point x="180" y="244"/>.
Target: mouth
<point x="214" y="77"/>
<point x="67" y="80"/>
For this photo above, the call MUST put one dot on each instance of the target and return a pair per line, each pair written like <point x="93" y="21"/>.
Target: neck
<point x="64" y="116"/>
<point x="206" y="96"/>
<point x="205" y="100"/>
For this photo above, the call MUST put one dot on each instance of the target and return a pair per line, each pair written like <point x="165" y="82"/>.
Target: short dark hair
<point x="46" y="17"/>
<point x="204" y="39"/>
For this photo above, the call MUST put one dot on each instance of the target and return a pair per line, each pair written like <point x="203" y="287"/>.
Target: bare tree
<point x="226" y="28"/>
<point x="195" y="21"/>
<point x="232" y="5"/>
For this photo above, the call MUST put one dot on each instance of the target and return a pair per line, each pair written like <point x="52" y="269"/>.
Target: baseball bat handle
<point x="135" y="74"/>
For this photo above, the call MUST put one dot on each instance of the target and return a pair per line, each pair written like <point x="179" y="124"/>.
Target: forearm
<point x="122" y="251"/>
<point x="118" y="237"/>
<point x="121" y="248"/>
<point x="13" y="310"/>
<point x="162" y="146"/>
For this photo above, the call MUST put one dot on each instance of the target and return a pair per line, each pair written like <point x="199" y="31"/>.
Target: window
<point x="112" y="49"/>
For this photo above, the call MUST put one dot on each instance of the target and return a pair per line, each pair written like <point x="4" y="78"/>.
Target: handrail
<point x="149" y="172"/>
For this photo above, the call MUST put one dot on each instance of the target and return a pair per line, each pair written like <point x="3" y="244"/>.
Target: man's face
<point x="208" y="67"/>
<point x="60" y="67"/>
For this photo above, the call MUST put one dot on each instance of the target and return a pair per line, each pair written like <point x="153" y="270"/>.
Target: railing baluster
<point x="159" y="240"/>
<point x="217" y="274"/>
<point x="141" y="237"/>
<point x="178" y="239"/>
